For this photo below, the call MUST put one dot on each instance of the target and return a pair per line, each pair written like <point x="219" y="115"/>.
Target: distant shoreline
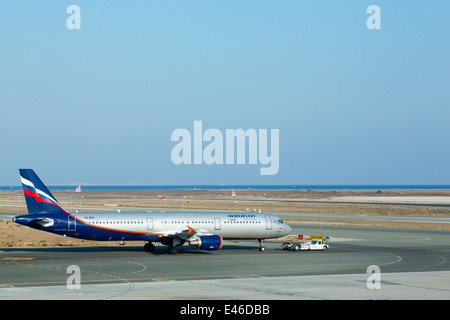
<point x="236" y="187"/>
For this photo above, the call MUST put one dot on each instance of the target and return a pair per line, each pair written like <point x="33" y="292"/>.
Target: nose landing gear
<point x="261" y="245"/>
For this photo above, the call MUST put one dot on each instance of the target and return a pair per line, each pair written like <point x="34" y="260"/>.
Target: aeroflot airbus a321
<point x="203" y="230"/>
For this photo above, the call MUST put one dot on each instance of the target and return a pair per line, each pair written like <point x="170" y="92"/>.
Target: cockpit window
<point x="280" y="221"/>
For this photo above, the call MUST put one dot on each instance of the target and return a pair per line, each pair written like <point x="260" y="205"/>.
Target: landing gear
<point x="261" y="245"/>
<point x="173" y="250"/>
<point x="150" y="247"/>
<point x="173" y="243"/>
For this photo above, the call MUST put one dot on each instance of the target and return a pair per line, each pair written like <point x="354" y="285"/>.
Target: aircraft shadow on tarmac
<point x="159" y="250"/>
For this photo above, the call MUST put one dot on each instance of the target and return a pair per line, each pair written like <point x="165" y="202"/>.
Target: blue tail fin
<point x="39" y="199"/>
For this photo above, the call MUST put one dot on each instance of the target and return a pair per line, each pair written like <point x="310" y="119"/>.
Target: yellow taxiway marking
<point x="17" y="258"/>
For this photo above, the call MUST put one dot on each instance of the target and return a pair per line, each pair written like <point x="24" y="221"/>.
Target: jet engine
<point x="213" y="242"/>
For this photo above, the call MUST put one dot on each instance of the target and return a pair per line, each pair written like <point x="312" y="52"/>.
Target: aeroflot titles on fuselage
<point x="241" y="216"/>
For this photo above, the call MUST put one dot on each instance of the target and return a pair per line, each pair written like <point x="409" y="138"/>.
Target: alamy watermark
<point x="74" y="280"/>
<point x="374" y="280"/>
<point x="374" y="20"/>
<point x="191" y="148"/>
<point x="73" y="22"/>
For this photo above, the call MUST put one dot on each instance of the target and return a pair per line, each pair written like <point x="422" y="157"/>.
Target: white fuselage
<point x="229" y="225"/>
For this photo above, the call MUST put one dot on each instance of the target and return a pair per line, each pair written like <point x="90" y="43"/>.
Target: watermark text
<point x="191" y="149"/>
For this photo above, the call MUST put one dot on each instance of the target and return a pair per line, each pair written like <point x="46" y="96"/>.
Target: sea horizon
<point x="231" y="187"/>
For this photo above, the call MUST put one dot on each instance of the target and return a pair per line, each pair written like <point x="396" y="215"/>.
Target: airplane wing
<point x="179" y="236"/>
<point x="186" y="233"/>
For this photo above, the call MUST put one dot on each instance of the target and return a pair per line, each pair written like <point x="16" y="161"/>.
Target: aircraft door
<point x="71" y="223"/>
<point x="268" y="223"/>
<point x="217" y="225"/>
<point x="149" y="223"/>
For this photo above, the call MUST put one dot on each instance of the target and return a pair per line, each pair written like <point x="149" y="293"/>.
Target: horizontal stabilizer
<point x="44" y="222"/>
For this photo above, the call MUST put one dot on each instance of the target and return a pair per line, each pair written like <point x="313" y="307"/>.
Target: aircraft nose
<point x="288" y="229"/>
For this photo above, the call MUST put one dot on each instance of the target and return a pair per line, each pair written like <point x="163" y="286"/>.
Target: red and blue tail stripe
<point x="39" y="199"/>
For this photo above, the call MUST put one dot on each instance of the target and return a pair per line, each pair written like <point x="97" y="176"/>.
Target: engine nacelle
<point x="213" y="242"/>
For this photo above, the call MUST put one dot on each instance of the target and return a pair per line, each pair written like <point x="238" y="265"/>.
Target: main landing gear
<point x="150" y="247"/>
<point x="261" y="245"/>
<point x="173" y="250"/>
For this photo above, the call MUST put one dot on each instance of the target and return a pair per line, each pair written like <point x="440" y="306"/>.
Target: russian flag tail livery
<point x="39" y="199"/>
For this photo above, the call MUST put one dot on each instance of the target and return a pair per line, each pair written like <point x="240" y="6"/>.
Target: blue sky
<point x="99" y="104"/>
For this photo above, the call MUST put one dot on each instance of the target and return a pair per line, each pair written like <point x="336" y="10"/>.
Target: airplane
<point x="173" y="229"/>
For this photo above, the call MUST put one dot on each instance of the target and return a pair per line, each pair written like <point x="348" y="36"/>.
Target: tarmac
<point x="393" y="286"/>
<point x="413" y="264"/>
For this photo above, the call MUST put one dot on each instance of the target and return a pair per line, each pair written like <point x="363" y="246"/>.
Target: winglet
<point x="190" y="229"/>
